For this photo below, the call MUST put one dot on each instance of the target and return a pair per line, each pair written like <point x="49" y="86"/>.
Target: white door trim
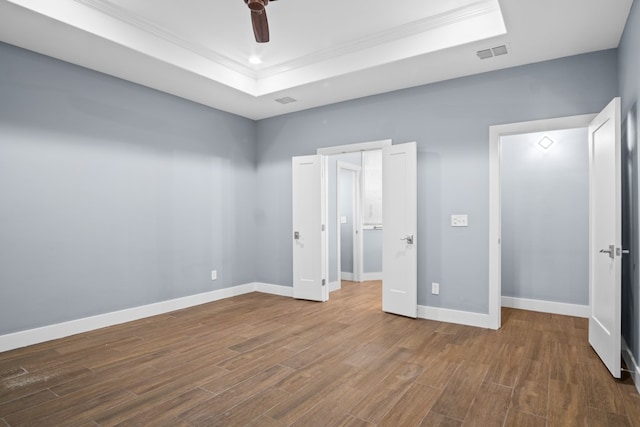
<point x="357" y="237"/>
<point x="354" y="148"/>
<point x="495" y="133"/>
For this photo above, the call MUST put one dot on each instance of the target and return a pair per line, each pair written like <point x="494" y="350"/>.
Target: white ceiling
<point x="321" y="51"/>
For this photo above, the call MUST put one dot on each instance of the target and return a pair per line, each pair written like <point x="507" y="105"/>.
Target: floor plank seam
<point x="548" y="403"/>
<point x="506" y="415"/>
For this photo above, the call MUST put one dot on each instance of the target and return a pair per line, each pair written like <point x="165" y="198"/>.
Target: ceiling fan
<point x="259" y="19"/>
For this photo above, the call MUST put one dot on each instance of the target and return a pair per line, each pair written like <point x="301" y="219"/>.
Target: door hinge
<point x="322" y="227"/>
<point x="324" y="281"/>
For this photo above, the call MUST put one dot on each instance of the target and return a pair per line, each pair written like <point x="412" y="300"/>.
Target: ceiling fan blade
<point x="260" y="26"/>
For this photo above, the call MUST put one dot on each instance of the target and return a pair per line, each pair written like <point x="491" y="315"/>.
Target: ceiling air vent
<point x="494" y="51"/>
<point x="286" y="100"/>
<point x="500" y="50"/>
<point x="484" y="54"/>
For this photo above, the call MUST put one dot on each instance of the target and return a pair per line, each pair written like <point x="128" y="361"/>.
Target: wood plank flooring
<point x="263" y="360"/>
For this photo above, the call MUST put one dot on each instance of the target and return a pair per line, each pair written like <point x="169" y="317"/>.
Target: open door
<point x="399" y="214"/>
<point x="605" y="249"/>
<point x="308" y="243"/>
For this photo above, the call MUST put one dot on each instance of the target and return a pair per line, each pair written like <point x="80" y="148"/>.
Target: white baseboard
<point x="346" y="276"/>
<point x="632" y="364"/>
<point x="266" y="288"/>
<point x="371" y="276"/>
<point x="454" y="316"/>
<point x="334" y="286"/>
<point x="65" y="329"/>
<point x="547" y="306"/>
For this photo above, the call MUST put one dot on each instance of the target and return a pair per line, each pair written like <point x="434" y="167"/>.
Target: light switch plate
<point x="343" y="220"/>
<point x="459" y="220"/>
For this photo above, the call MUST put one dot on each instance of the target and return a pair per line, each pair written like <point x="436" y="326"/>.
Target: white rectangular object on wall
<point x="459" y="220"/>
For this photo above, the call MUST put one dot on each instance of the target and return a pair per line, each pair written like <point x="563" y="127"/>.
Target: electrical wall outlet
<point x="435" y="288"/>
<point x="459" y="220"/>
<point x="214" y="274"/>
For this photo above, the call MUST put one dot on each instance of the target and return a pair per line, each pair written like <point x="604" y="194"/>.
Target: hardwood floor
<point x="263" y="360"/>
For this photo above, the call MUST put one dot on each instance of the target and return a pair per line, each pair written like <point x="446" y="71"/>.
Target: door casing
<point x="343" y="149"/>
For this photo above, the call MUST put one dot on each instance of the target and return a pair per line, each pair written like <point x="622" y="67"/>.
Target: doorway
<point x="355" y="217"/>
<point x="605" y="250"/>
<point x="310" y="234"/>
<point x="544" y="193"/>
<point x="495" y="202"/>
<point x="354" y="213"/>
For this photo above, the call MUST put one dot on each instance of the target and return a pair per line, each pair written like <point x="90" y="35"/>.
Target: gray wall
<point x="372" y="251"/>
<point x="114" y="195"/>
<point x="545" y="217"/>
<point x="629" y="66"/>
<point x="450" y="122"/>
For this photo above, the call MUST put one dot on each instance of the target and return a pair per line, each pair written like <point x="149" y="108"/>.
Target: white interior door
<point x="605" y="236"/>
<point x="308" y="242"/>
<point x="399" y="215"/>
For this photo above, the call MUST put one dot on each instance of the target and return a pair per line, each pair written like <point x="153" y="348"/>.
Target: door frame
<point x="495" y="222"/>
<point x="357" y="219"/>
<point x="342" y="149"/>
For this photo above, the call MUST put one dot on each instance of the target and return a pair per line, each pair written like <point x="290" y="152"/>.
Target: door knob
<point x="609" y="251"/>
<point x="296" y="235"/>
<point x="409" y="239"/>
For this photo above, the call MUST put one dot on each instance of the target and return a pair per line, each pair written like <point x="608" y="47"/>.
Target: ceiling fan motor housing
<point x="257" y="5"/>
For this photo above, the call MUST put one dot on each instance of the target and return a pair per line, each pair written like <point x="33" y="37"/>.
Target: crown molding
<point x="127" y="17"/>
<point x="460" y="14"/>
<point x="479" y="8"/>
